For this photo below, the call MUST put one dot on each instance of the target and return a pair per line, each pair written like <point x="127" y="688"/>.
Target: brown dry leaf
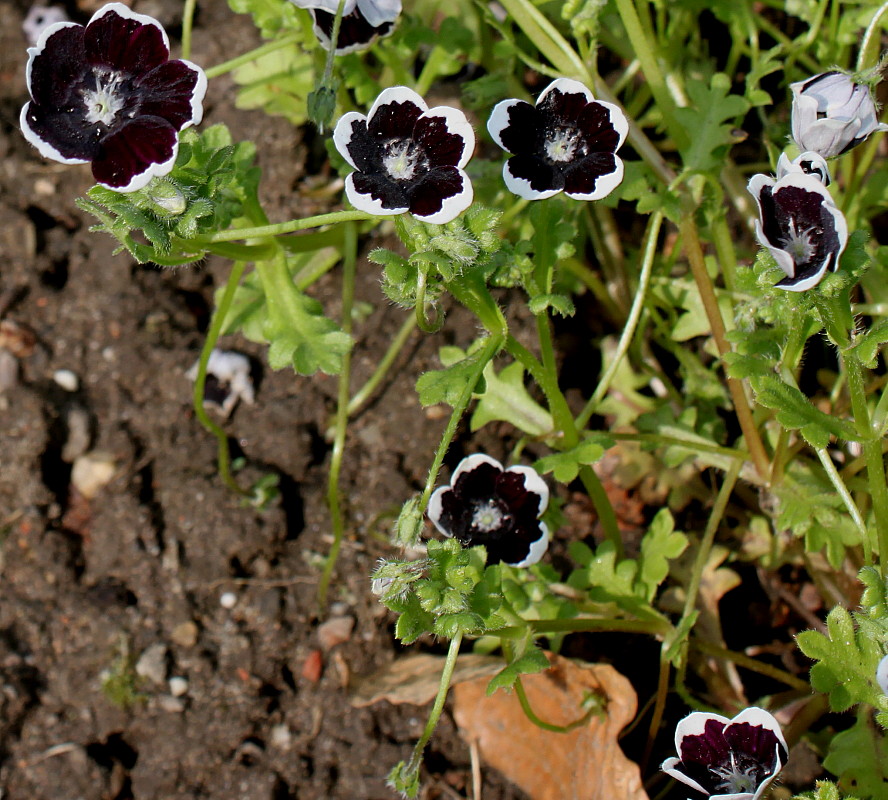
<point x="584" y="764"/>
<point x="415" y="679"/>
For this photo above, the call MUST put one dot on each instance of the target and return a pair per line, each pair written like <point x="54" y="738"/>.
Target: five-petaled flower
<point x="567" y="142"/>
<point x="407" y="157"/>
<point x="499" y="508"/>
<point x="831" y="114"/>
<point x="800" y="226"/>
<point x="108" y="93"/>
<point x="363" y="21"/>
<point x="730" y="758"/>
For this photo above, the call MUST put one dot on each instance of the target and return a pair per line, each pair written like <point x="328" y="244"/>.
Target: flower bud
<point x="831" y="114"/>
<point x="321" y="105"/>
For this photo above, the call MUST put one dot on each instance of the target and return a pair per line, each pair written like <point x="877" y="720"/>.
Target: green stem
<point x="436" y="60"/>
<point x="753" y="665"/>
<point x="654" y="627"/>
<point x="364" y="393"/>
<point x="438" y="707"/>
<point x="349" y="260"/>
<point x="187" y="26"/>
<point x="491" y="348"/>
<point x="334" y="40"/>
<point x="672" y="441"/>
<point x="872" y="451"/>
<point x="869" y="44"/>
<point x="223" y="455"/>
<point x="276" y="229"/>
<point x="650" y="249"/>
<point x="252" y="55"/>
<point x="548" y="726"/>
<point x="839" y="486"/>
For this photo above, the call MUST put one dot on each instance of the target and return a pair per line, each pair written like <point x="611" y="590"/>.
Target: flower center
<point x="561" y="144"/>
<point x="487" y="516"/>
<point x="798" y="243"/>
<point x="103" y="102"/>
<point x="735" y="779"/>
<point x="402" y="159"/>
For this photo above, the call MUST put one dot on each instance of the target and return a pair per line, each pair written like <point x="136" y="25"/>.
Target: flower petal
<point x="376" y="12"/>
<point x="534" y="484"/>
<point x="513" y="125"/>
<point x="120" y="39"/>
<point x="435" y="508"/>
<point x="58" y="136"/>
<point x="395" y="112"/>
<point x="756" y="732"/>
<point x="140" y="150"/>
<point x="535" y="550"/>
<point x="351" y="132"/>
<point x="440" y="195"/>
<point x="594" y="177"/>
<point x="56" y="65"/>
<point x="470" y="464"/>
<point x="355" y="32"/>
<point x="672" y="767"/>
<point x="375" y="194"/>
<point x="330" y="6"/>
<point x="517" y="546"/>
<point x="174" y="91"/>
<point x="446" y="135"/>
<point x="531" y="177"/>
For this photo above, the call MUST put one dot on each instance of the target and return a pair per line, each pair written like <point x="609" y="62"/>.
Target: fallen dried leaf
<point x="584" y="764"/>
<point x="415" y="679"/>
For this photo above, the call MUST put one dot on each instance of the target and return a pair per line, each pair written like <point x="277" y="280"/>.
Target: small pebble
<point x="228" y="600"/>
<point x="9" y="370"/>
<point x="178" y="686"/>
<point x="79" y="425"/>
<point x="173" y="705"/>
<point x="92" y="472"/>
<point x="281" y="737"/>
<point x="67" y="379"/>
<point x="334" y="631"/>
<point x="152" y="664"/>
<point x="185" y="634"/>
<point x="313" y="666"/>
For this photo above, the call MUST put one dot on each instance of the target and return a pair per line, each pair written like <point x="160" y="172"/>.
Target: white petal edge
<point x="760" y="718"/>
<point x="472" y="462"/>
<point x="197" y="96"/>
<point x="330" y="6"/>
<point x="882" y="675"/>
<point x="604" y="185"/>
<point x="126" y="13"/>
<point x="454" y="205"/>
<point x="457" y="124"/>
<point x="669" y="767"/>
<point x="783" y="259"/>
<point x="566" y="86"/>
<point x="694" y="724"/>
<point x="364" y="202"/>
<point x="537" y="549"/>
<point x="37" y="49"/>
<point x="521" y="186"/>
<point x="533" y="483"/>
<point x="377" y="12"/>
<point x="397" y="94"/>
<point x="618" y="120"/>
<point x="436" y="508"/>
<point x="499" y="120"/>
<point x="156" y="170"/>
<point x="45" y="148"/>
<point x="342" y="134"/>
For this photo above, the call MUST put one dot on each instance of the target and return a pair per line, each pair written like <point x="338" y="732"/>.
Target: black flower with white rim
<point x="800" y="226"/>
<point x="567" y="142"/>
<point x="108" y="93"/>
<point x="728" y="758"/>
<point x="831" y="114"/>
<point x="363" y="21"/>
<point x="495" y="507"/>
<point x="407" y="157"/>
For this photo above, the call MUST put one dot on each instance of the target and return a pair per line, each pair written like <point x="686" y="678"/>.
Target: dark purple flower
<point x="729" y="758"/>
<point x="407" y="157"/>
<point x="107" y="93"/>
<point x="567" y="142"/>
<point x="800" y="226"/>
<point x="499" y="508"/>
<point x="363" y="21"/>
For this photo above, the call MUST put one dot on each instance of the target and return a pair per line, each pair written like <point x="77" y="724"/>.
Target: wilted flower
<point x="407" y="157"/>
<point x="363" y="21"/>
<point x="499" y="508"/>
<point x="567" y="142"/>
<point x="729" y="758"/>
<point x="107" y="93"/>
<point x="800" y="226"/>
<point x="807" y="163"/>
<point x="831" y="114"/>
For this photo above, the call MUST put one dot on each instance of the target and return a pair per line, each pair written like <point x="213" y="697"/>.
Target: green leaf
<point x="533" y="660"/>
<point x="709" y="121"/>
<point x="447" y="385"/>
<point x="270" y="16"/>
<point x="859" y="757"/>
<point x="867" y="345"/>
<point x="278" y="82"/>
<point x="505" y="398"/>
<point x="559" y="303"/>
<point x="660" y="544"/>
<point x="566" y="465"/>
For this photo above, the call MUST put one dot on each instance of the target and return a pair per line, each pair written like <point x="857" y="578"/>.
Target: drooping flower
<point x="108" y="93"/>
<point x="407" y="157"/>
<point x="499" y="508"/>
<point x="808" y="163"/>
<point x="363" y="21"/>
<point x="831" y="114"/>
<point x="567" y="142"/>
<point x="800" y="225"/>
<point x="729" y="758"/>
